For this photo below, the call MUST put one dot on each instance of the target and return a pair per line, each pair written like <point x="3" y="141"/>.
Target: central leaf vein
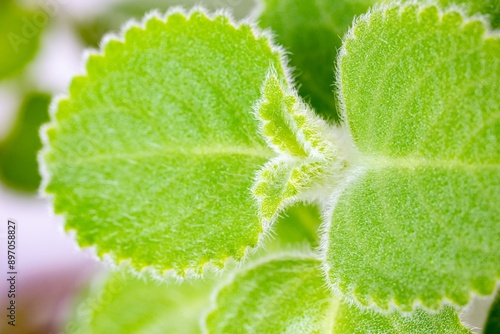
<point x="257" y="152"/>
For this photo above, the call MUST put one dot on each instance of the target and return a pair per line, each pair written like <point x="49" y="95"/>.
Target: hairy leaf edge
<point x="109" y="258"/>
<point x="336" y="299"/>
<point x="350" y="295"/>
<point x="383" y="7"/>
<point x="341" y="149"/>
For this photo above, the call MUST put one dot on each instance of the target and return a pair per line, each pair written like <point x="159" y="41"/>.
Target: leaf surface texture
<point x="420" y="222"/>
<point x="151" y="157"/>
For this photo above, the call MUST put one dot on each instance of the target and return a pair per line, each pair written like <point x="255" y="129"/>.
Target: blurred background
<point x="41" y="48"/>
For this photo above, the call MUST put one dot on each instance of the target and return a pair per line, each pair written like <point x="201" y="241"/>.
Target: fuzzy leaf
<point x="19" y="36"/>
<point x="125" y="304"/>
<point x="305" y="146"/>
<point x="312" y="32"/>
<point x="288" y="295"/>
<point x="151" y="157"/>
<point x="420" y="222"/>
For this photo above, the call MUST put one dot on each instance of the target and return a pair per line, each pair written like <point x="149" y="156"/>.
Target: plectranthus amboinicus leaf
<point x="152" y="154"/>
<point x="307" y="148"/>
<point x="287" y="294"/>
<point x="420" y="221"/>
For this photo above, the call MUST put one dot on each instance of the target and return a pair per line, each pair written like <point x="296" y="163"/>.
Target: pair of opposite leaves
<point x="152" y="156"/>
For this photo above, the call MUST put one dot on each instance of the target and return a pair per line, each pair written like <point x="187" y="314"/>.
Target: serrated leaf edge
<point x="383" y="7"/>
<point x="109" y="257"/>
<point x="325" y="144"/>
<point x="350" y="295"/>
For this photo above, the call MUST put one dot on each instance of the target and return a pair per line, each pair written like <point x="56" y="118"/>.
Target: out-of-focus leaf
<point x="133" y="305"/>
<point x="18" y="152"/>
<point x="493" y="322"/>
<point x="288" y="295"/>
<point x="312" y="32"/>
<point x="297" y="225"/>
<point x="19" y="36"/>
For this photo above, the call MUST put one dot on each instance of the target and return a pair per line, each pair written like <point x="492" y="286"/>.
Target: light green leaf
<point x="305" y="144"/>
<point x="311" y="31"/>
<point x="124" y="304"/>
<point x="151" y="157"/>
<point x="288" y="295"/>
<point x="420" y="222"/>
<point x="18" y="161"/>
<point x="351" y="319"/>
<point x="19" y="36"/>
<point x="285" y="295"/>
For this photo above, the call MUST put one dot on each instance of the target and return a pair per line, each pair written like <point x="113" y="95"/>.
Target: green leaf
<point x="124" y="304"/>
<point x="306" y="146"/>
<point x="311" y="31"/>
<point x="489" y="8"/>
<point x="351" y="319"/>
<point x="151" y="157"/>
<point x="288" y="295"/>
<point x="18" y="152"/>
<point x="296" y="227"/>
<point x="19" y="36"/>
<point x="419" y="221"/>
<point x="276" y="296"/>
<point x="493" y="321"/>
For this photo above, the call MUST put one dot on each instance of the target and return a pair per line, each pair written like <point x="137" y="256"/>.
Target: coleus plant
<point x="186" y="139"/>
